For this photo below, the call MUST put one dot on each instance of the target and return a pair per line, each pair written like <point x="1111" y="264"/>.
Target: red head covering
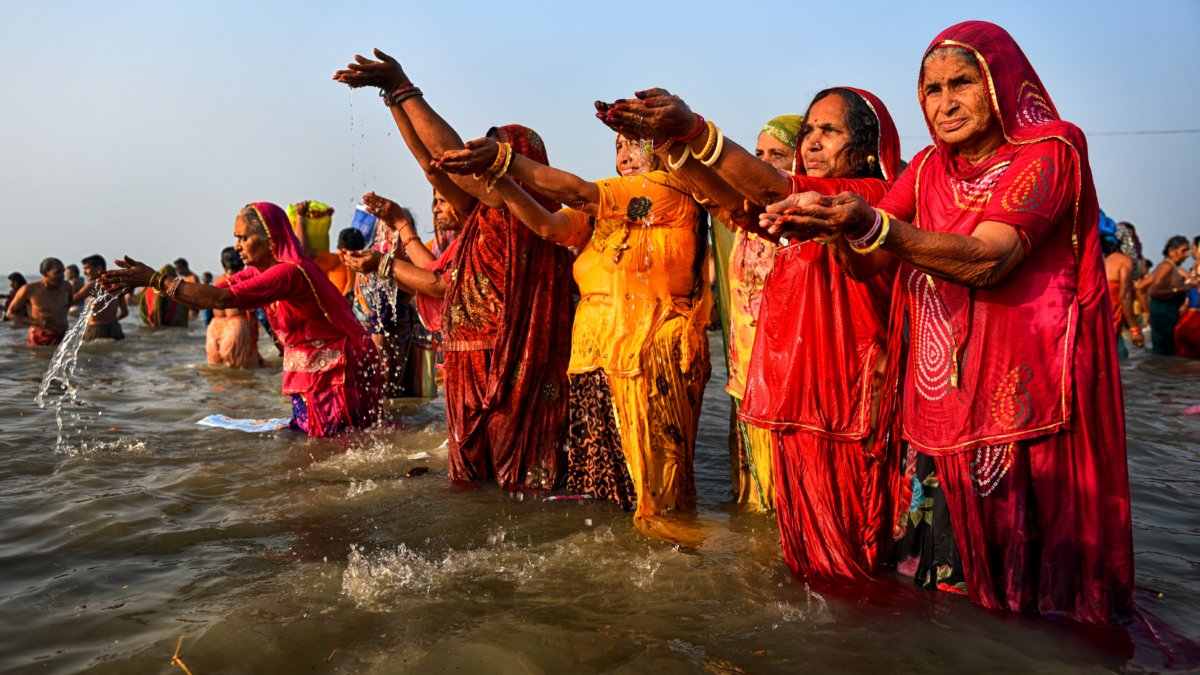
<point x="286" y="249"/>
<point x="889" y="141"/>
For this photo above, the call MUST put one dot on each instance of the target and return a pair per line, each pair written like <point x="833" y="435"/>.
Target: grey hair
<point x="946" y="51"/>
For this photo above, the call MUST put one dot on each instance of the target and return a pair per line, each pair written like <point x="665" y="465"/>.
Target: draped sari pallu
<point x="505" y="321"/>
<point x="1014" y="389"/>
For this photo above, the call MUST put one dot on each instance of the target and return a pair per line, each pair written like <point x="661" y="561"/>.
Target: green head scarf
<point x="784" y="129"/>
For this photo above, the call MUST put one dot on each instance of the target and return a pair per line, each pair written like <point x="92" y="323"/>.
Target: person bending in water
<point x="330" y="366"/>
<point x="48" y="301"/>
<point x="105" y="323"/>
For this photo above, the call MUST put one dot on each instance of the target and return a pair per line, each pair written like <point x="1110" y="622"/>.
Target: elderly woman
<point x="639" y="355"/>
<point x="330" y="367"/>
<point x="813" y="377"/>
<point x="1012" y="382"/>
<point x="506" y="314"/>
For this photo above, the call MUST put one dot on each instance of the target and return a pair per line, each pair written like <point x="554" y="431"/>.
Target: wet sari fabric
<point x="641" y="320"/>
<point x="814" y="381"/>
<point x="1014" y="389"/>
<point x="330" y="366"/>
<point x="506" y="331"/>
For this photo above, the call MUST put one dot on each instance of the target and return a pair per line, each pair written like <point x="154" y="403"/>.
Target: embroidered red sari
<point x="1014" y="389"/>
<point x="330" y="365"/>
<point x="506" y="330"/>
<point x="815" y="381"/>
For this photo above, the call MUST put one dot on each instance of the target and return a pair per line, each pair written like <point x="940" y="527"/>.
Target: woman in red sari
<point x="330" y="366"/>
<point x="506" y="314"/>
<point x="1012" y="382"/>
<point x="816" y="366"/>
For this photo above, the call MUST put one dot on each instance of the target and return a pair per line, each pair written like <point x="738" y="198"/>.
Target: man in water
<point x="48" y="301"/>
<point x="105" y="323"/>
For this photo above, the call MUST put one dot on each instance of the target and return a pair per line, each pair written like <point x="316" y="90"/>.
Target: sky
<point x="141" y="128"/>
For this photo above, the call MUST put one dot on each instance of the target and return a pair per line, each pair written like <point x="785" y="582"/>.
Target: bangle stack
<point x="400" y="94"/>
<point x="712" y="147"/>
<point x="172" y="286"/>
<point x="1134" y="330"/>
<point x="499" y="167"/>
<point x="692" y="135"/>
<point x="879" y="232"/>
<point x="385" y="266"/>
<point x="154" y="280"/>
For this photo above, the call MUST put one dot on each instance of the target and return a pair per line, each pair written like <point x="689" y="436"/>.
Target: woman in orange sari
<point x="639" y="335"/>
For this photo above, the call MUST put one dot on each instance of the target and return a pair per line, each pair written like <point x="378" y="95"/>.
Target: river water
<point x="278" y="553"/>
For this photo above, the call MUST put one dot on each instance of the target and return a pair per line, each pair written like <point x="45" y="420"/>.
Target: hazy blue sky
<point x="142" y="127"/>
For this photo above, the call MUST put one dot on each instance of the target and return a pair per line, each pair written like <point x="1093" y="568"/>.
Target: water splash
<point x="58" y="384"/>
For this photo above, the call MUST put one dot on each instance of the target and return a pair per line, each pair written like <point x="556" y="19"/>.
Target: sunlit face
<point x="957" y="102"/>
<point x="251" y="244"/>
<point x="53" y="276"/>
<point x="774" y="152"/>
<point x="631" y="159"/>
<point x="91" y="272"/>
<point x="443" y="215"/>
<point x="826" y="139"/>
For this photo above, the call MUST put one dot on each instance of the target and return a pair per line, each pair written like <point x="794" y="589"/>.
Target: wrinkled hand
<point x="365" y="261"/>
<point x="809" y="214"/>
<point x="477" y="156"/>
<point x="129" y="274"/>
<point x="655" y="114"/>
<point x="383" y="208"/>
<point x="385" y="73"/>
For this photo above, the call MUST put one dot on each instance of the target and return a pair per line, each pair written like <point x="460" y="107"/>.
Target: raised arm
<point x="555" y="184"/>
<point x="561" y="186"/>
<point x="659" y="115"/>
<point x="409" y="106"/>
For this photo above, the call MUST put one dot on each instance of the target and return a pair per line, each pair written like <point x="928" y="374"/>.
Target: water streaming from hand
<point x="58" y="384"/>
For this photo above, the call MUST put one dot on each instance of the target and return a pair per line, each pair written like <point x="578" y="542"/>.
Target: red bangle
<point x="695" y="132"/>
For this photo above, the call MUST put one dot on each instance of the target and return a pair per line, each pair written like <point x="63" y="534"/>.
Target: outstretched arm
<point x="561" y="186"/>
<point x="132" y="274"/>
<point x="658" y="114"/>
<point x="434" y="133"/>
<point x="555" y="184"/>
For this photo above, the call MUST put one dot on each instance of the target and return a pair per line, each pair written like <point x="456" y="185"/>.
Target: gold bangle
<point x="883" y="233"/>
<point x="676" y="166"/>
<point x="709" y="142"/>
<point x="716" y="153"/>
<point x="153" y="279"/>
<point x="491" y="183"/>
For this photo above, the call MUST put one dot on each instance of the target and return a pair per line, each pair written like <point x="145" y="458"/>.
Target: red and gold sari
<point x="1014" y="389"/>
<point x="506" y="340"/>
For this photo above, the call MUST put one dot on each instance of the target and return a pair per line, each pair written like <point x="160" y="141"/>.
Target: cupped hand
<point x="477" y="156"/>
<point x="386" y="73"/>
<point x="806" y="215"/>
<point x="654" y="113"/>
<point x="1139" y="340"/>
<point x="365" y="261"/>
<point x="383" y="208"/>
<point x="128" y="275"/>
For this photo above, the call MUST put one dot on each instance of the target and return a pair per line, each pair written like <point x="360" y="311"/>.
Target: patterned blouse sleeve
<point x="1037" y="192"/>
<point x="282" y="281"/>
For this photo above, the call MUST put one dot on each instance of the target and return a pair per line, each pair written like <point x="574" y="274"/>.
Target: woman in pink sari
<point x="330" y="366"/>
<point x="1012" y="382"/>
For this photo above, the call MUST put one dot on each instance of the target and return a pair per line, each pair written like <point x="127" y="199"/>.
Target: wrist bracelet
<point x="871" y="232"/>
<point x="695" y="132"/>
